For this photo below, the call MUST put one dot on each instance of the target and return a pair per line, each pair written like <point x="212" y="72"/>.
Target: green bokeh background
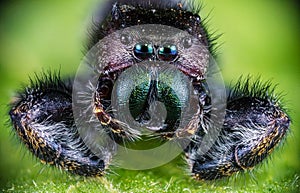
<point x="259" y="38"/>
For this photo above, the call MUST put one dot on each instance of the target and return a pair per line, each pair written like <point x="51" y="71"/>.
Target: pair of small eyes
<point x="144" y="51"/>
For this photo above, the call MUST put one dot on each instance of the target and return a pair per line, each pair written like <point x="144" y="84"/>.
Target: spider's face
<point x="156" y="71"/>
<point x="164" y="49"/>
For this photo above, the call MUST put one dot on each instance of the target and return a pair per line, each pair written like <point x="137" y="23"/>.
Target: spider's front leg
<point x="254" y="124"/>
<point x="43" y="119"/>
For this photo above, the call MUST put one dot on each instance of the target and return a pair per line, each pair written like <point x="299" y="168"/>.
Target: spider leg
<point x="43" y="119"/>
<point x="254" y="124"/>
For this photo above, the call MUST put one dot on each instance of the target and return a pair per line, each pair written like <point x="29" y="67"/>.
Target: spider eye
<point x="125" y="39"/>
<point x="143" y="51"/>
<point x="167" y="52"/>
<point x="187" y="42"/>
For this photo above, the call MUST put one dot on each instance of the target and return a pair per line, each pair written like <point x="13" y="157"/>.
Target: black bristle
<point x="247" y="87"/>
<point x="46" y="81"/>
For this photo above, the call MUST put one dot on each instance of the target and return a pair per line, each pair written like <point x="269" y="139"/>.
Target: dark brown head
<point x="158" y="40"/>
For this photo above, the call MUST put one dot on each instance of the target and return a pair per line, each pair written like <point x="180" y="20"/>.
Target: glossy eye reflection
<point x="167" y="52"/>
<point x="143" y="51"/>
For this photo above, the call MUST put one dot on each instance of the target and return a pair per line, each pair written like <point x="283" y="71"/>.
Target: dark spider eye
<point x="143" y="51"/>
<point x="167" y="52"/>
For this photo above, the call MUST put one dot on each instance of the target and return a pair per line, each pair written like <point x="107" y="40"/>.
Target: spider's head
<point x="152" y="60"/>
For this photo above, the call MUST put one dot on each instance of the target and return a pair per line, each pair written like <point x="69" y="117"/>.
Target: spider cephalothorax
<point x="149" y="73"/>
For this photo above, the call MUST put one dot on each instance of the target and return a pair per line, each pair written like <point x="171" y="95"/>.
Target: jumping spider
<point x="146" y="55"/>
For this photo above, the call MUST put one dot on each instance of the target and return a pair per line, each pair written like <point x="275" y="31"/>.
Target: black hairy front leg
<point x="254" y="124"/>
<point x="43" y="119"/>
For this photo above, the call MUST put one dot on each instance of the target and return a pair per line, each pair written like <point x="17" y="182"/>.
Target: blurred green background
<point x="259" y="38"/>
